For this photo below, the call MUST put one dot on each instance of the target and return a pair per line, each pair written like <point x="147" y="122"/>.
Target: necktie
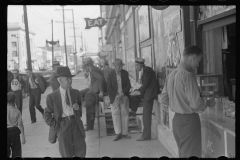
<point x="67" y="99"/>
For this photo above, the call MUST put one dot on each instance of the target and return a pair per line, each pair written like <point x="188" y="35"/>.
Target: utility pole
<point x="52" y="43"/>
<point x="18" y="52"/>
<point x="27" y="38"/>
<point x="75" y="52"/>
<point x="64" y="34"/>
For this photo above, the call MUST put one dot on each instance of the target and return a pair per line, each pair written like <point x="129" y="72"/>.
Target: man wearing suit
<point x="149" y="91"/>
<point x="63" y="114"/>
<point x="53" y="78"/>
<point x="118" y="88"/>
<point x="36" y="85"/>
<point x="97" y="86"/>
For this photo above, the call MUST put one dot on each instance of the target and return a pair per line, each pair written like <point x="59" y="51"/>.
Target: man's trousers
<point x="147" y="118"/>
<point x="187" y="133"/>
<point x="70" y="139"/>
<point x="120" y="115"/>
<point x="90" y="102"/>
<point x="34" y="100"/>
<point x="14" y="142"/>
<point x="19" y="99"/>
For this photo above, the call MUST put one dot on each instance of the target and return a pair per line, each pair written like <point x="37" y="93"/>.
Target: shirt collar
<point x="185" y="66"/>
<point x="63" y="91"/>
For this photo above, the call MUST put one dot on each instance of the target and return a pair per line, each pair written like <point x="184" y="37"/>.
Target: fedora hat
<point x="64" y="72"/>
<point x="55" y="64"/>
<point x="118" y="62"/>
<point x="87" y="61"/>
<point x="140" y="61"/>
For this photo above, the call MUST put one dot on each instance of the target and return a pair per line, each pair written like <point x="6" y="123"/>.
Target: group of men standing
<point x="64" y="105"/>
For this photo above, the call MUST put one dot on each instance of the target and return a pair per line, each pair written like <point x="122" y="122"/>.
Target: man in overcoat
<point x="149" y="91"/>
<point x="97" y="87"/>
<point x="36" y="85"/>
<point x="118" y="89"/>
<point x="63" y="114"/>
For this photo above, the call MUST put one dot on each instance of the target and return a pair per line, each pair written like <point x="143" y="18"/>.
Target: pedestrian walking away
<point x="118" y="89"/>
<point x="63" y="114"/>
<point x="106" y="70"/>
<point x="182" y="95"/>
<point x="14" y="128"/>
<point x="17" y="84"/>
<point x="97" y="86"/>
<point x="36" y="86"/>
<point x="149" y="91"/>
<point x="53" y="78"/>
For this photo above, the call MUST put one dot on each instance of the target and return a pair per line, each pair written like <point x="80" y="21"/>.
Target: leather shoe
<point x="126" y="136"/>
<point x="33" y="121"/>
<point x="143" y="139"/>
<point x="86" y="129"/>
<point x="119" y="136"/>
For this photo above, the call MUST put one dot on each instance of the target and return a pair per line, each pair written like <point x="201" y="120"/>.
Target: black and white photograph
<point x="120" y="81"/>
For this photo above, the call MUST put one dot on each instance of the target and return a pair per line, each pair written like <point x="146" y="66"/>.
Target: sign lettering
<point x="99" y="22"/>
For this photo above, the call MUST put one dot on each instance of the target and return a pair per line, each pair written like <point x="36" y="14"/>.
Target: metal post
<point x="97" y="104"/>
<point x="52" y="43"/>
<point x="65" y="37"/>
<point x="75" y="56"/>
<point x="27" y="38"/>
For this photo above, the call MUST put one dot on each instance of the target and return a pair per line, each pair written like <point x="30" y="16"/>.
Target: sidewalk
<point x="37" y="144"/>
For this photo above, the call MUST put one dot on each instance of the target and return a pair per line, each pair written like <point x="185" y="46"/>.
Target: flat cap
<point x="139" y="60"/>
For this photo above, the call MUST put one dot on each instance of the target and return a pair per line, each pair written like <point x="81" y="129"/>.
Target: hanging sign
<point x="99" y="22"/>
<point x="159" y="7"/>
<point x="107" y="47"/>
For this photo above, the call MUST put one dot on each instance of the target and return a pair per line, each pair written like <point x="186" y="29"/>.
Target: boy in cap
<point x="149" y="91"/>
<point x="118" y="88"/>
<point x="63" y="114"/>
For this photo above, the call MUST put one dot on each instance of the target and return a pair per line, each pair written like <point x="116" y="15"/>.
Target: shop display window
<point x="210" y="84"/>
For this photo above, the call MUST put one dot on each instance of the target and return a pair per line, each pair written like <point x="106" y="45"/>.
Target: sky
<point x="39" y="21"/>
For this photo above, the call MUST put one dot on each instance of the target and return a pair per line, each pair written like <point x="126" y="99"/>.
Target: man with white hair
<point x="118" y="87"/>
<point x="63" y="114"/>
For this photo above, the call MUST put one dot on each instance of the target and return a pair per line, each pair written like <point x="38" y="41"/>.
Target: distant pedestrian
<point x="118" y="88"/>
<point x="106" y="70"/>
<point x="14" y="128"/>
<point x="9" y="78"/>
<point x="149" y="91"/>
<point x="17" y="84"/>
<point x="53" y="78"/>
<point x="182" y="95"/>
<point x="97" y="86"/>
<point x="36" y="86"/>
<point x="63" y="114"/>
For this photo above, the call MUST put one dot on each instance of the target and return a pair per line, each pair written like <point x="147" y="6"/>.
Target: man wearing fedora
<point x="118" y="88"/>
<point x="97" y="86"/>
<point x="148" y="91"/>
<point x="63" y="114"/>
<point x="36" y="85"/>
<point x="53" y="78"/>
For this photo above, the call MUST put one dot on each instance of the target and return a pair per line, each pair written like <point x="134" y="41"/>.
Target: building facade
<point x="17" y="49"/>
<point x="159" y="34"/>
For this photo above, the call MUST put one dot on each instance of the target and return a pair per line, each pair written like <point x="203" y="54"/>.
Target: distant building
<point x="59" y="55"/>
<point x="17" y="48"/>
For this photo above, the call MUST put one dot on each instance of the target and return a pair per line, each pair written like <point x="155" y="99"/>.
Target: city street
<point x="37" y="144"/>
